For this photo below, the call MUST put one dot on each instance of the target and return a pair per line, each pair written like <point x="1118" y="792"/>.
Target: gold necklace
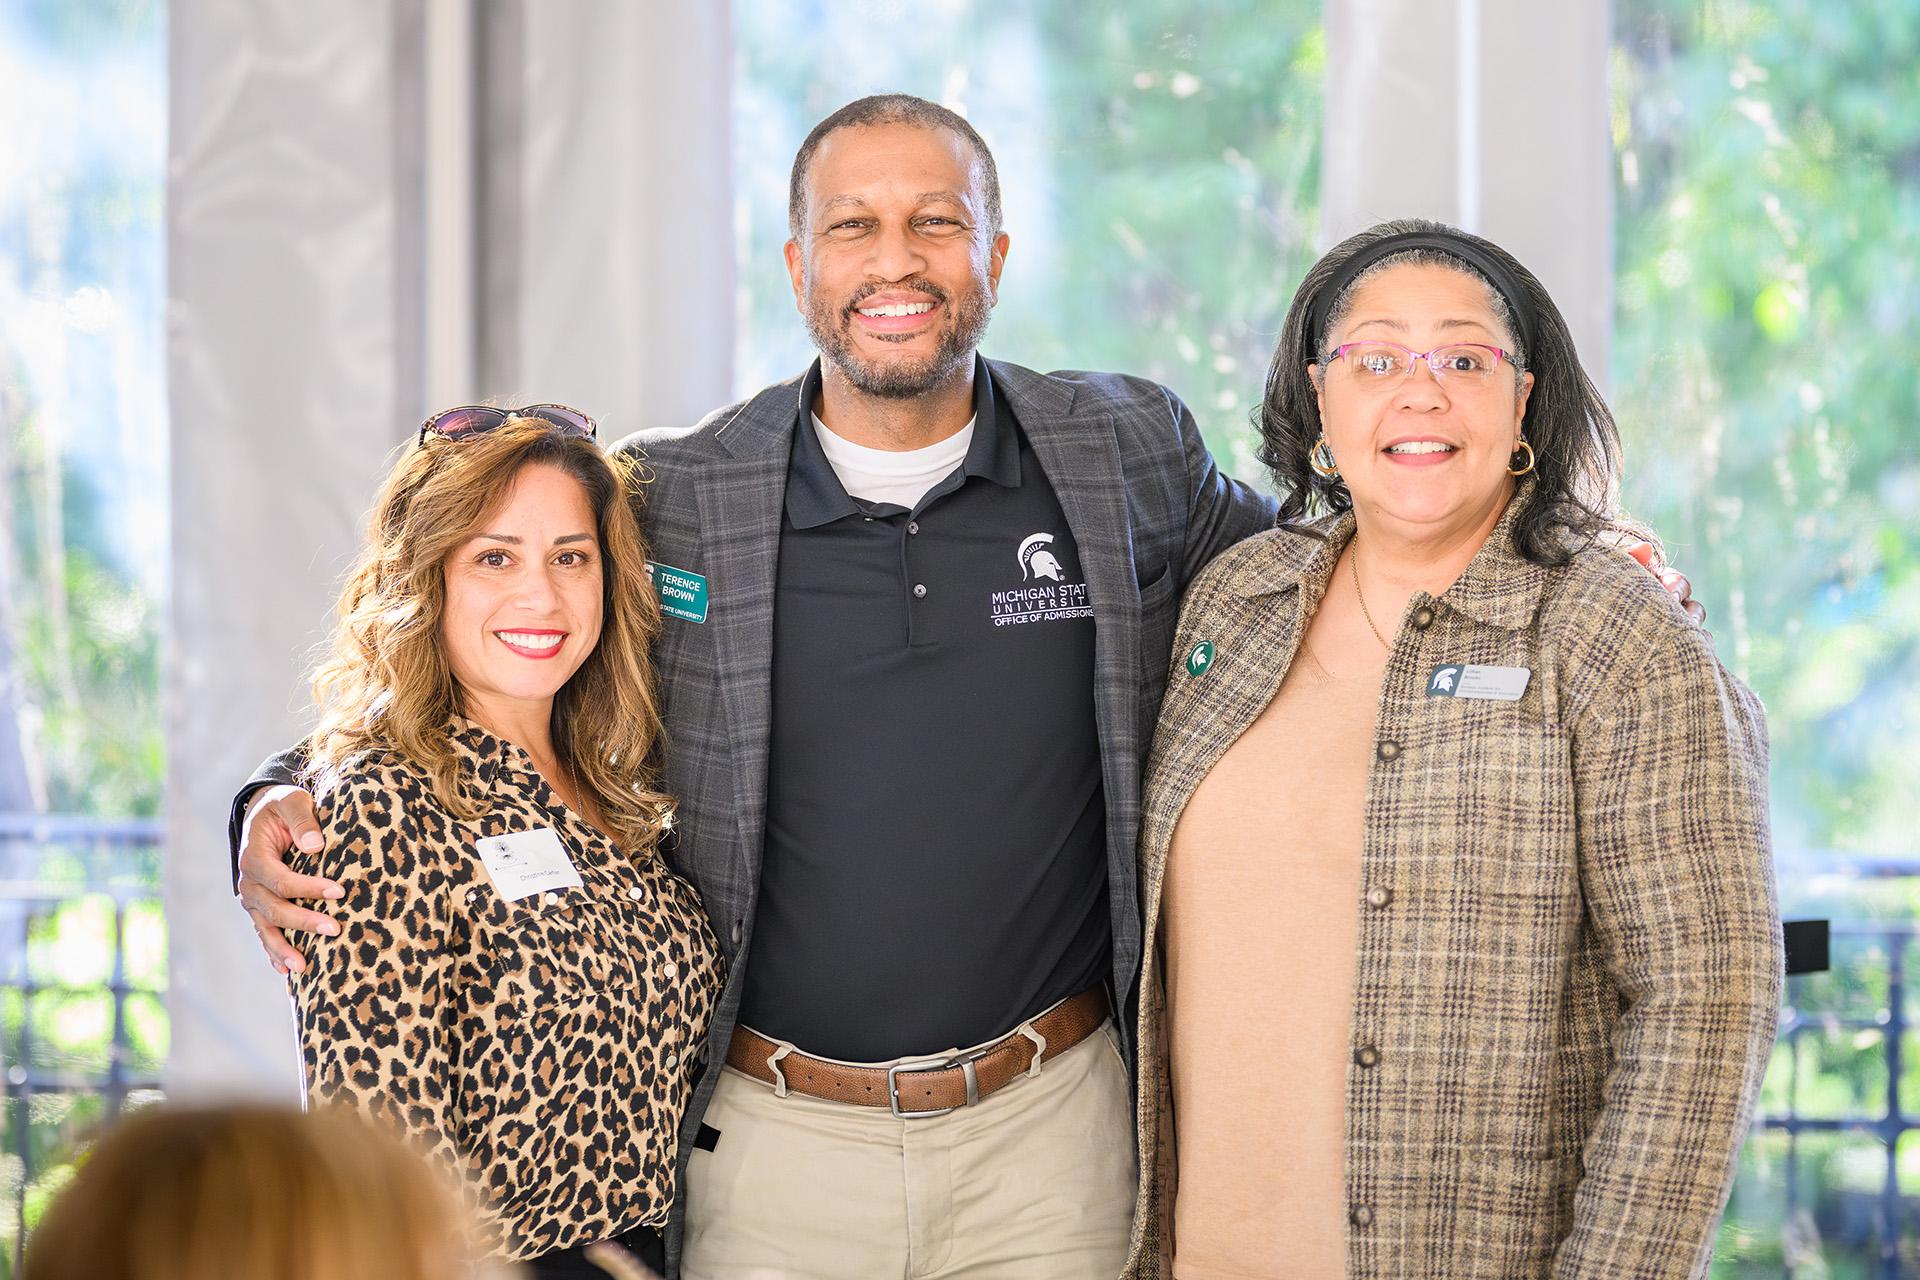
<point x="1353" y="563"/>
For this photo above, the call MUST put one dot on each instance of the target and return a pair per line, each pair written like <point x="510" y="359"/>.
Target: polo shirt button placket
<point x="913" y="526"/>
<point x="919" y="591"/>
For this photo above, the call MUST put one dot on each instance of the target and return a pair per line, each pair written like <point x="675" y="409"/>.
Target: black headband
<point x="1496" y="272"/>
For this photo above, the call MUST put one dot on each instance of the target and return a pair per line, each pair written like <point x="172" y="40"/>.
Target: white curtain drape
<point x="334" y="270"/>
<point x="1487" y="114"/>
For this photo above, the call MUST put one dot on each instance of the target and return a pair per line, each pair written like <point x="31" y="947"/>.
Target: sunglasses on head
<point x="478" y="419"/>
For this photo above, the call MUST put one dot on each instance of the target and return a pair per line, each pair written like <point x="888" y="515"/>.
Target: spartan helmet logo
<point x="1443" y="680"/>
<point x="1037" y="562"/>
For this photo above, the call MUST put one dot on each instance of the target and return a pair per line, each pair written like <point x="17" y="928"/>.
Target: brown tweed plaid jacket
<point x="1569" y="947"/>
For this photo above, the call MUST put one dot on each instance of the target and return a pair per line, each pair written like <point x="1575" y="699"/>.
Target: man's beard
<point x="831" y="328"/>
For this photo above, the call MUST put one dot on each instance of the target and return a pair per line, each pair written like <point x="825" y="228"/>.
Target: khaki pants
<point x="1034" y="1182"/>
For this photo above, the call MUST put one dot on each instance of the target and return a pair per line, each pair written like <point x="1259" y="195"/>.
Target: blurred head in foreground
<point x="236" y="1193"/>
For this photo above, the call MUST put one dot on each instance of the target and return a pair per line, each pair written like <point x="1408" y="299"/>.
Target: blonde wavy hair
<point x="239" y="1192"/>
<point x="387" y="691"/>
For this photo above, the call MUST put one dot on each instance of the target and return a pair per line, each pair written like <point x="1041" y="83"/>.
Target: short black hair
<point x="891" y="108"/>
<point x="1576" y="446"/>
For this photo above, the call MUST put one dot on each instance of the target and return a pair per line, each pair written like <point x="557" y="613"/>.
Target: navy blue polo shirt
<point x="935" y="866"/>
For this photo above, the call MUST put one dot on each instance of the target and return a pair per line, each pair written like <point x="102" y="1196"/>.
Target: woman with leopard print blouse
<point x="515" y="979"/>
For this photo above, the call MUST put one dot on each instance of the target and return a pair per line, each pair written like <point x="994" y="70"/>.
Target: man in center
<point x="918" y="612"/>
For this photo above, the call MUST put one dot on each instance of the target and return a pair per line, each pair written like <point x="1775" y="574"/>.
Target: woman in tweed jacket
<point x="1455" y="845"/>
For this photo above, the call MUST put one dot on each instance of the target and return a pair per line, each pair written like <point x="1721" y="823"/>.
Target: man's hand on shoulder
<point x="1677" y="584"/>
<point x="282" y="818"/>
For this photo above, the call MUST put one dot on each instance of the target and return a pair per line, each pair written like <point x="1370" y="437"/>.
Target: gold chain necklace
<point x="1353" y="563"/>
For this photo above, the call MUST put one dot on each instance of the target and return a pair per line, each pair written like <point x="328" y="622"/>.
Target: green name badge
<point x="682" y="594"/>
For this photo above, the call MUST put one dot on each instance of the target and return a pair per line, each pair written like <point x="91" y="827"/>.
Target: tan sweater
<point x="1260" y="913"/>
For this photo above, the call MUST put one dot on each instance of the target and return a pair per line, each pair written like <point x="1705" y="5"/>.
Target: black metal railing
<point x="1838" y="1033"/>
<point x="82" y="992"/>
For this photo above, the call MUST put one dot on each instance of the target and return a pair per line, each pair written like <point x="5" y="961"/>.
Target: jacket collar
<point x="1499" y="587"/>
<point x="815" y="495"/>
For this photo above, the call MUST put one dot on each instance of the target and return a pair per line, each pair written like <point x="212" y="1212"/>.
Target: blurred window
<point x="83" y="557"/>
<point x="1159" y="163"/>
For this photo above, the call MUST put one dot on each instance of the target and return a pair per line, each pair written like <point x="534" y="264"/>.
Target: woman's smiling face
<point x="1426" y="454"/>
<point x="524" y="597"/>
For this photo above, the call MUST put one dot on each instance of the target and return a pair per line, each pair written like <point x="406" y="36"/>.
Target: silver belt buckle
<point x="964" y="1061"/>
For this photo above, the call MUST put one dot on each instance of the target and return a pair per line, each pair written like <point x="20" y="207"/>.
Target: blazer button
<point x="1367" y="1056"/>
<point x="1388" y="751"/>
<point x="1362" y="1216"/>
<point x="736" y="933"/>
<point x="1379" y="896"/>
<point x="1422" y="618"/>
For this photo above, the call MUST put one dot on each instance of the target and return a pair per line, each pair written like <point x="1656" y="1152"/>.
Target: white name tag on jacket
<point x="1462" y="680"/>
<point x="524" y="863"/>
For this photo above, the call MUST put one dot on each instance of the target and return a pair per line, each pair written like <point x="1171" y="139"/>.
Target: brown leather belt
<point x="931" y="1086"/>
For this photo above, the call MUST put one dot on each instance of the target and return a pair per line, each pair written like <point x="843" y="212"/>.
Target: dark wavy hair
<point x="1576" y="446"/>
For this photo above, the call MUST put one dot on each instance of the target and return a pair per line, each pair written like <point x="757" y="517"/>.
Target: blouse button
<point x="673" y="1059"/>
<point x="670" y="970"/>
<point x="1379" y="896"/>
<point x="471" y="895"/>
<point x="1422" y="618"/>
<point x="636" y="892"/>
<point x="1388" y="751"/>
<point x="1367" y="1056"/>
<point x="549" y="898"/>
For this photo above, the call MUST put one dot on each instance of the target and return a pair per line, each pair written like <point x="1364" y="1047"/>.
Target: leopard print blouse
<point x="543" y="1048"/>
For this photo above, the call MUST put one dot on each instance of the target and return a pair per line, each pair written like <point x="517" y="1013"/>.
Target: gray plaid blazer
<point x="1569" y="949"/>
<point x="1147" y="507"/>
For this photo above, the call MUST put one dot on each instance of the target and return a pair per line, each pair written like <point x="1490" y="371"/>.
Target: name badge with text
<point x="523" y="863"/>
<point x="1463" y="680"/>
<point x="682" y="595"/>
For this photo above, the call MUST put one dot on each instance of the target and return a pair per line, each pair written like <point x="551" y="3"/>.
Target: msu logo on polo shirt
<point x="1043" y="594"/>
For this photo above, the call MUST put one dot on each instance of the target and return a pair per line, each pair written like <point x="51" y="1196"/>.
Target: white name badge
<point x="524" y="863"/>
<point x="1462" y="680"/>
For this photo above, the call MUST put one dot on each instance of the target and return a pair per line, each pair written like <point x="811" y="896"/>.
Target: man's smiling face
<point x="896" y="269"/>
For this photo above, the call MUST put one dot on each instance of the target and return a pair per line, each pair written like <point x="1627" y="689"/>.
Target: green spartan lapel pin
<point x="1200" y="659"/>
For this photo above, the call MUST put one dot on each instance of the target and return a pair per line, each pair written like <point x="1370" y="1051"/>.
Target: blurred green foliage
<point x="1767" y="371"/>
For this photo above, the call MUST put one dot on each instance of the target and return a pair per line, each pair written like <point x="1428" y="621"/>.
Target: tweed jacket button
<point x="920" y="591"/>
<point x="1362" y="1216"/>
<point x="1367" y="1056"/>
<point x="1379" y="896"/>
<point x="1422" y="618"/>
<point x="1388" y="751"/>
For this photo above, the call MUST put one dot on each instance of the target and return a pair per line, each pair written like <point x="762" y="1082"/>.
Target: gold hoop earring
<point x="1522" y="471"/>
<point x="1328" y="468"/>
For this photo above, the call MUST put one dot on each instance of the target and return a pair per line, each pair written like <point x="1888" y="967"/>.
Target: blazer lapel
<point x="1081" y="457"/>
<point x="741" y="499"/>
